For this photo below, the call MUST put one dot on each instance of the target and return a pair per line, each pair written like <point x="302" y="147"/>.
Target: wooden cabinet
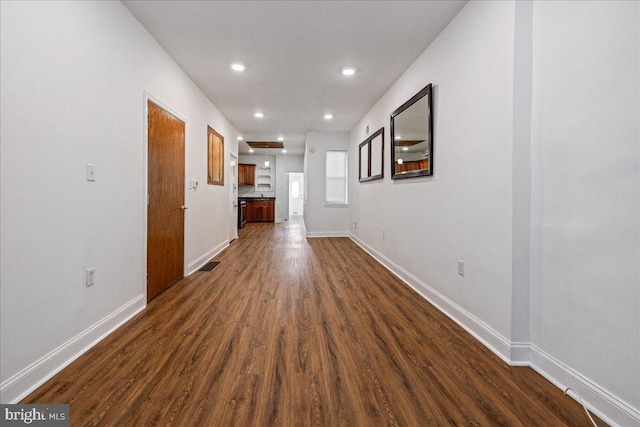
<point x="412" y="166"/>
<point x="246" y="174"/>
<point x="260" y="211"/>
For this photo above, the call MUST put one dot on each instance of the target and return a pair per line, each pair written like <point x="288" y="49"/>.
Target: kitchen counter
<point x="270" y="199"/>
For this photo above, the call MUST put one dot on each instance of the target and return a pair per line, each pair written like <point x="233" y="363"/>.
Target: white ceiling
<point x="293" y="52"/>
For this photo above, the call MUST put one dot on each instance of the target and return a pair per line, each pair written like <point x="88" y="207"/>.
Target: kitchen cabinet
<point x="246" y="174"/>
<point x="412" y="166"/>
<point x="260" y="211"/>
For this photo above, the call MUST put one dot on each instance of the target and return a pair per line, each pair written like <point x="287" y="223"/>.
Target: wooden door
<point x="165" y="210"/>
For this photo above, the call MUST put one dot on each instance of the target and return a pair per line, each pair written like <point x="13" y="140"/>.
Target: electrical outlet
<point x="91" y="277"/>
<point x="355" y="224"/>
<point x="461" y="267"/>
<point x="366" y="130"/>
<point x="383" y="233"/>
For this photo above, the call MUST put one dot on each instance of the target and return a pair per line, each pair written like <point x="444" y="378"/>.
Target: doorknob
<point x="183" y="207"/>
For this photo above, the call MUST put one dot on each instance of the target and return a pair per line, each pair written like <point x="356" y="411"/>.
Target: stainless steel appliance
<point x="242" y="207"/>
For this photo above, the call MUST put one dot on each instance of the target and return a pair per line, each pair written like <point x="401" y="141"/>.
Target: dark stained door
<point x="165" y="210"/>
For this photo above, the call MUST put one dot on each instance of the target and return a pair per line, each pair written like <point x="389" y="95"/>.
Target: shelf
<point x="264" y="179"/>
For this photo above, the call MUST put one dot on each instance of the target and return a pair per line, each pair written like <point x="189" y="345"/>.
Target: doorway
<point x="296" y="193"/>
<point x="233" y="225"/>
<point x="165" y="200"/>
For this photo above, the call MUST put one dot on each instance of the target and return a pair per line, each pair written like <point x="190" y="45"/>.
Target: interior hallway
<point x="288" y="331"/>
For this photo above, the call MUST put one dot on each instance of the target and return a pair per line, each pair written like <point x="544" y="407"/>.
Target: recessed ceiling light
<point x="328" y="116"/>
<point x="237" y="67"/>
<point x="405" y="148"/>
<point x="258" y="115"/>
<point x="399" y="161"/>
<point x="284" y="150"/>
<point x="348" y="71"/>
<point x="280" y="138"/>
<point x="397" y="137"/>
<point x="240" y="138"/>
<point x="251" y="150"/>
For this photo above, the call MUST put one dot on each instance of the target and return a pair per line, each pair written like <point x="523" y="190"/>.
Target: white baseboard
<point x="314" y="234"/>
<point x="203" y="259"/>
<point x="520" y="354"/>
<point x="476" y="327"/>
<point x="33" y="376"/>
<point x="605" y="405"/>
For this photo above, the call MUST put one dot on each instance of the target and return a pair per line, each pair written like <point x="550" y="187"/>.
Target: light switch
<point x="91" y="172"/>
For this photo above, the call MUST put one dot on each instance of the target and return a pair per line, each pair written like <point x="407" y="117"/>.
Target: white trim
<point x="520" y="354"/>
<point x="234" y="233"/>
<point x="203" y="259"/>
<point x="149" y="97"/>
<point x="476" y="327"/>
<point x="601" y="402"/>
<point x="20" y="385"/>
<point x="314" y="234"/>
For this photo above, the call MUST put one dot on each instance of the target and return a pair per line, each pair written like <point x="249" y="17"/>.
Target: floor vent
<point x="209" y="266"/>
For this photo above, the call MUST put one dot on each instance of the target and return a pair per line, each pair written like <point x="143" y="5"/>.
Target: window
<point x="295" y="189"/>
<point x="336" y="178"/>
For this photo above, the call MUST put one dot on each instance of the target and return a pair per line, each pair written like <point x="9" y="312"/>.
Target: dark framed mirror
<point x="371" y="157"/>
<point x="412" y="137"/>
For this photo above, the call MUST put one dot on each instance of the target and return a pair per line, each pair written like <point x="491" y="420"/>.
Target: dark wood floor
<point x="294" y="332"/>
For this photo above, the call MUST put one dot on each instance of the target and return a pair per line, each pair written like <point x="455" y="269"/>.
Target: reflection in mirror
<point x="412" y="136"/>
<point x="371" y="157"/>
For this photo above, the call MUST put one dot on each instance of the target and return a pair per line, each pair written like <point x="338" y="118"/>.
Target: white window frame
<point x="339" y="203"/>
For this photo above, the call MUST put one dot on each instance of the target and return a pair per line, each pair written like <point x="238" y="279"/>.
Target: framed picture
<point x="215" y="157"/>
<point x="412" y="137"/>
<point x="371" y="157"/>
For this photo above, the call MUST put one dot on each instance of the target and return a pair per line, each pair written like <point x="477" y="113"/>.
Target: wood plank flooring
<point x="294" y="332"/>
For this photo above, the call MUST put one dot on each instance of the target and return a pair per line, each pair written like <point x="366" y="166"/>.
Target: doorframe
<point x="147" y="96"/>
<point x="304" y="198"/>
<point x="233" y="155"/>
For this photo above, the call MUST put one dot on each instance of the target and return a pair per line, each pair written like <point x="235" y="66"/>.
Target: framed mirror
<point x="215" y="157"/>
<point x="412" y="137"/>
<point x="371" y="157"/>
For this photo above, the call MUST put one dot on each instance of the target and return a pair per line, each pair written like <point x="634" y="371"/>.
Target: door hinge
<point x="147" y="199"/>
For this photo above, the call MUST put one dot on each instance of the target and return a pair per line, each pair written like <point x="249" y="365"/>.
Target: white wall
<point x="464" y="210"/>
<point x="585" y="189"/>
<point x="73" y="76"/>
<point x="320" y="219"/>
<point x="536" y="186"/>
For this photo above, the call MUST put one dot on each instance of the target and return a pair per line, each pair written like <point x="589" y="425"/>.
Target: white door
<point x="296" y="193"/>
<point x="233" y="224"/>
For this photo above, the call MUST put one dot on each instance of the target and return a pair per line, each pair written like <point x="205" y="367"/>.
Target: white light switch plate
<point x="91" y="172"/>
